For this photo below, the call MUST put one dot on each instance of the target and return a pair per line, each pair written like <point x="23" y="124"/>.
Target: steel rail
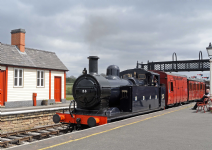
<point x="28" y="135"/>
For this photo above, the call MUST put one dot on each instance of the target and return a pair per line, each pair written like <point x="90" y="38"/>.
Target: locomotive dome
<point x="113" y="70"/>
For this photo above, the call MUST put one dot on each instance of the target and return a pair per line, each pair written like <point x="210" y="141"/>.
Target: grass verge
<point x="69" y="97"/>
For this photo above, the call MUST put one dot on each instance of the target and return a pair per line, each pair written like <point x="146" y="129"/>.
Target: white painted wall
<point x="59" y="74"/>
<point x="29" y="86"/>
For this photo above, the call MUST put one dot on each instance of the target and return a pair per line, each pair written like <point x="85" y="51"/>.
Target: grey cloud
<point x="120" y="32"/>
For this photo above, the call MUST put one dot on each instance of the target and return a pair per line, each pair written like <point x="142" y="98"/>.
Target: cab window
<point x="127" y="75"/>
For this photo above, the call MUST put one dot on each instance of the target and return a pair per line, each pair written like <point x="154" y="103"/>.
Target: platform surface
<point x="178" y="128"/>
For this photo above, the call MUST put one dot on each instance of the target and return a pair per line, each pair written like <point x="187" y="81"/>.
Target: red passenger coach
<point x="176" y="91"/>
<point x="196" y="89"/>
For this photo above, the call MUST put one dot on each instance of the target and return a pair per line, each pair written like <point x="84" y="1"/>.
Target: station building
<point x="24" y="71"/>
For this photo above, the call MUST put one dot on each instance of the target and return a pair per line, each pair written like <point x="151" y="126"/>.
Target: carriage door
<point x="1" y="88"/>
<point x="57" y="89"/>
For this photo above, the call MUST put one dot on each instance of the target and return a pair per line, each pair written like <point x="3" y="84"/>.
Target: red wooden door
<point x="57" y="89"/>
<point x="1" y="88"/>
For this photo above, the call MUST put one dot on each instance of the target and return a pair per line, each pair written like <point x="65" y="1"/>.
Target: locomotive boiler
<point x="100" y="100"/>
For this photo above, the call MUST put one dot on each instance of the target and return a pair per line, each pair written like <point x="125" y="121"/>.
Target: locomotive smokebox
<point x="93" y="64"/>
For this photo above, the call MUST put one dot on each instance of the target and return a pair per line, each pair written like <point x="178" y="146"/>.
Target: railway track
<point x="21" y="137"/>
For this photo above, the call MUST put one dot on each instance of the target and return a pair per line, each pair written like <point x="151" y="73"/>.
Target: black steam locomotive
<point x="100" y="100"/>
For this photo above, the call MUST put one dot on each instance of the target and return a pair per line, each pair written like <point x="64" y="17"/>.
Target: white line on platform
<point x="29" y="111"/>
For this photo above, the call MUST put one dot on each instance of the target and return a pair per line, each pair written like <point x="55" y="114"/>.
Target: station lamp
<point x="209" y="50"/>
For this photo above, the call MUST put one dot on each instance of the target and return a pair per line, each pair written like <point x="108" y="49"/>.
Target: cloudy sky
<point x="119" y="32"/>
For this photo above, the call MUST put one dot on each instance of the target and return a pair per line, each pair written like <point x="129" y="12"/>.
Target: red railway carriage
<point x="196" y="89"/>
<point x="176" y="91"/>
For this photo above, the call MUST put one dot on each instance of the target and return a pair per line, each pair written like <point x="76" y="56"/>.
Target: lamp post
<point x="209" y="50"/>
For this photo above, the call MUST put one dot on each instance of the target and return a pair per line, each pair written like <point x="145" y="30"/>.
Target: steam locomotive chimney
<point x="93" y="64"/>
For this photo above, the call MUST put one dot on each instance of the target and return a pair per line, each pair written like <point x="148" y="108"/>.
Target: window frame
<point x="39" y="86"/>
<point x="18" y="78"/>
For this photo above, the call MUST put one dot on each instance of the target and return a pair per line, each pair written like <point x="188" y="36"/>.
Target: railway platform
<point x="175" y="128"/>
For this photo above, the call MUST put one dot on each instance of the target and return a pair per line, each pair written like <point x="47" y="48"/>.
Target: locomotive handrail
<point x="71" y="111"/>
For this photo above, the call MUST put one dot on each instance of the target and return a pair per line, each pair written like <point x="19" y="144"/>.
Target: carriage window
<point x="141" y="76"/>
<point x="172" y="89"/>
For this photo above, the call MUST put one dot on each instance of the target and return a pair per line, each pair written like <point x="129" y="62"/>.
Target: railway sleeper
<point x="35" y="135"/>
<point x="16" y="140"/>
<point x="53" y="131"/>
<point x="62" y="129"/>
<point x="25" y="137"/>
<point x="11" y="141"/>
<point x="4" y="144"/>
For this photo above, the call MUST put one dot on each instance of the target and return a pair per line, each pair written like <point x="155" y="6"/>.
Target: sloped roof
<point x="10" y="55"/>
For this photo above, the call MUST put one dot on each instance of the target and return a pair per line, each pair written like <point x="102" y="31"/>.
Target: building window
<point x="18" y="78"/>
<point x="40" y="78"/>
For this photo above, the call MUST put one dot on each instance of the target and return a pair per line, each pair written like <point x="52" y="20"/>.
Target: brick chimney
<point x="18" y="38"/>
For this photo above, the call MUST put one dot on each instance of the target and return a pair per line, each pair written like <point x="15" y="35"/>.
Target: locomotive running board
<point x="124" y="115"/>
